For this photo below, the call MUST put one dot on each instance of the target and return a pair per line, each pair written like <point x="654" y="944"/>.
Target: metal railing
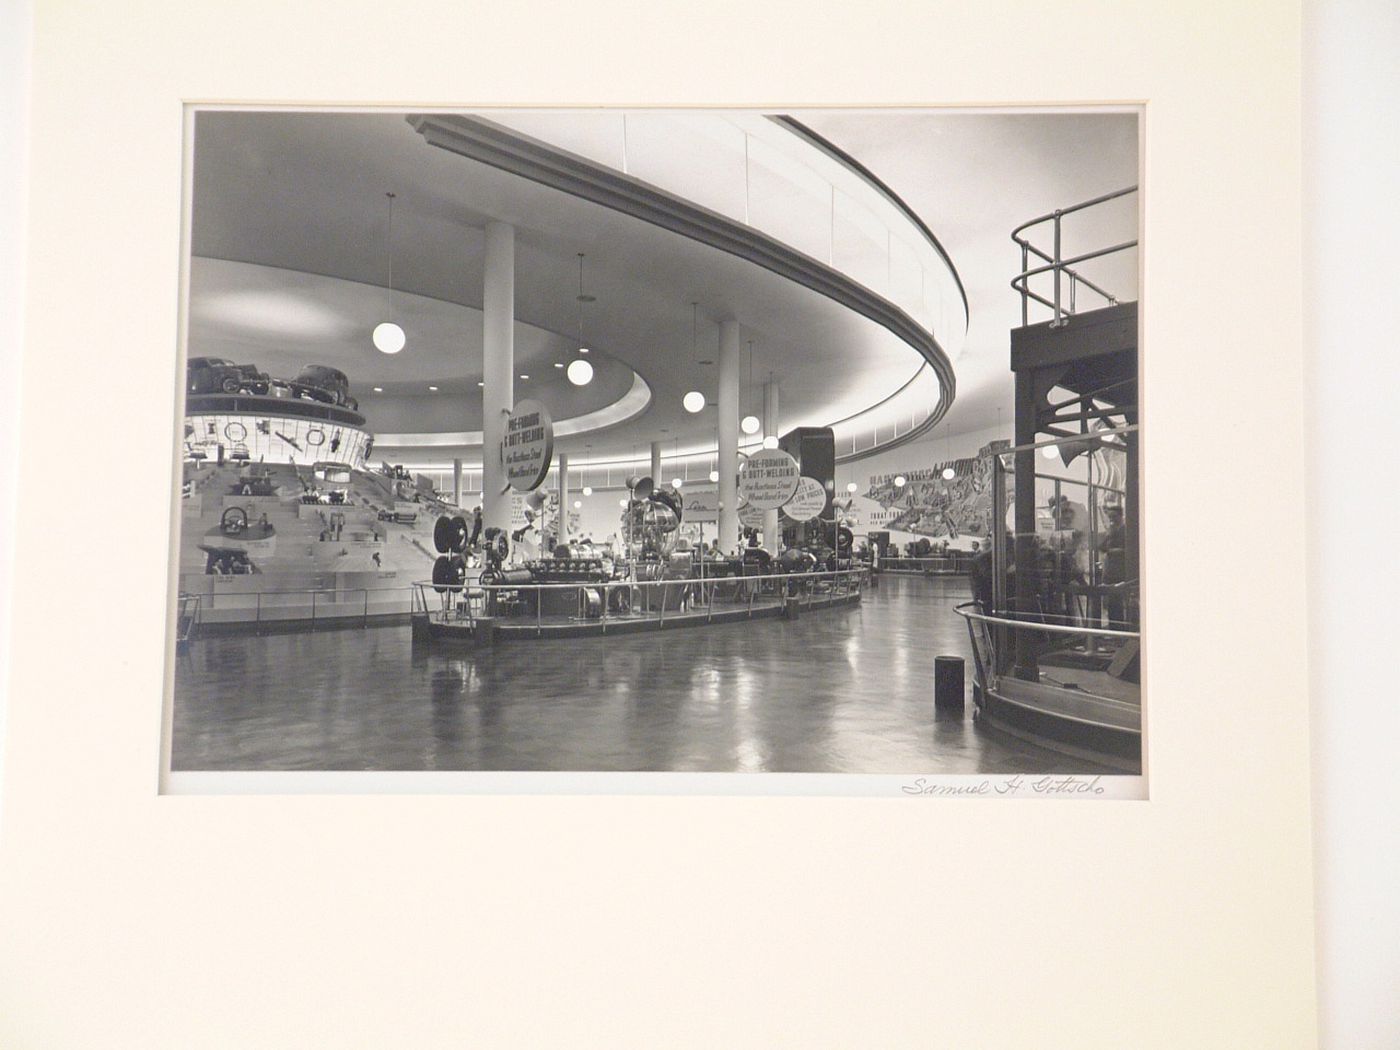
<point x="1078" y="696"/>
<point x="1060" y="267"/>
<point x="951" y="564"/>
<point x="346" y="603"/>
<point x="632" y="601"/>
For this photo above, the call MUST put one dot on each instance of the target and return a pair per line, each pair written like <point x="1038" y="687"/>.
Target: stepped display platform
<point x="258" y="546"/>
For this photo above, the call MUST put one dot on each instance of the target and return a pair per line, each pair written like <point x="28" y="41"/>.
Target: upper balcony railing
<point x="785" y="181"/>
<point x="1061" y="298"/>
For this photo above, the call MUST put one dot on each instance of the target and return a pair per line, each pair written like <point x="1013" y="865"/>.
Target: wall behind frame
<point x="134" y="920"/>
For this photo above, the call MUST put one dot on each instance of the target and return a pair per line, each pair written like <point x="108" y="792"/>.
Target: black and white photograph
<point x="661" y="441"/>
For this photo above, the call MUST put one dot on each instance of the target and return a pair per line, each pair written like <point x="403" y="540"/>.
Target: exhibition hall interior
<point x="659" y="441"/>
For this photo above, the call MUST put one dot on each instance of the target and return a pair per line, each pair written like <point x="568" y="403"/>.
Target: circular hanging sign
<point x="528" y="446"/>
<point x="768" y="479"/>
<point x="750" y="517"/>
<point x="807" y="502"/>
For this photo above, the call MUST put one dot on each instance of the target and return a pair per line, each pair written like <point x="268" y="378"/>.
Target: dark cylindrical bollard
<point x="948" y="683"/>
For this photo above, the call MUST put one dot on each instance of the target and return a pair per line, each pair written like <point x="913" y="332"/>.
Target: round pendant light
<point x="388" y="337"/>
<point x="900" y="481"/>
<point x="580" y="372"/>
<point x="1050" y="451"/>
<point x="749" y="424"/>
<point x="588" y="490"/>
<point x="622" y="503"/>
<point x="852" y="487"/>
<point x="676" y="482"/>
<point x="714" y="475"/>
<point x="577" y="504"/>
<point x="770" y="441"/>
<point x="694" y="401"/>
<point x="949" y="473"/>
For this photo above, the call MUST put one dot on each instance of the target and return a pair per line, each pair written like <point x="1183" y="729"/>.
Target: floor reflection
<point x="838" y="691"/>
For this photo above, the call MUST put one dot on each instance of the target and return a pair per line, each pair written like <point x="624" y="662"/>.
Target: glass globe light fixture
<point x="949" y="473"/>
<point x="1050" y="451"/>
<point x="388" y="337"/>
<point x="900" y="481"/>
<point x="852" y="487"/>
<point x="588" y="490"/>
<point x="749" y="424"/>
<point x="693" y="401"/>
<point x="578" y="504"/>
<point x="714" y="475"/>
<point x="580" y="373"/>
<point x="622" y="503"/>
<point x="676" y="483"/>
<point x="771" y="441"/>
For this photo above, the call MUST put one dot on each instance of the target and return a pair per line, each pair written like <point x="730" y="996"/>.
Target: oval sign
<point x="768" y="479"/>
<point x="750" y="517"/>
<point x="807" y="502"/>
<point x="528" y="446"/>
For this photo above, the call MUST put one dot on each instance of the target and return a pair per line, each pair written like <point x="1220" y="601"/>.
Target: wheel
<point x="230" y="385"/>
<point x="460" y="534"/>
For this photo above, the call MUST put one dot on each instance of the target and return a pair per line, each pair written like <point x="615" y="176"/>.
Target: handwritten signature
<point x="1017" y="784"/>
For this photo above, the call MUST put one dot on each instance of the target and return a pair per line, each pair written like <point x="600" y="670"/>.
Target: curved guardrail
<point x="1063" y="302"/>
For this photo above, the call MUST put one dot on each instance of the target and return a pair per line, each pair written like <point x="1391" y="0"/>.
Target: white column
<point x="728" y="428"/>
<point x="498" y="353"/>
<point x="562" y="462"/>
<point x="656" y="463"/>
<point x="771" y="537"/>
<point x="456" y="482"/>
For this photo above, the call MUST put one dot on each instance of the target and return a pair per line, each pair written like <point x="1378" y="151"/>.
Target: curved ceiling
<point x="304" y="193"/>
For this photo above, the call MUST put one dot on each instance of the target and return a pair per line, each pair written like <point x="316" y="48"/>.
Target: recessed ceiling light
<point x="558" y="364"/>
<point x="379" y="390"/>
<point x="433" y="389"/>
<point x="583" y="350"/>
<point x="524" y="376"/>
<point x="480" y="383"/>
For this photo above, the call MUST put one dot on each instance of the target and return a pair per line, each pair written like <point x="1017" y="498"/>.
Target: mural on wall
<point x="928" y="504"/>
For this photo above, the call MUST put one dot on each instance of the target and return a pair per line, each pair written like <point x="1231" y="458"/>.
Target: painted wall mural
<point x="930" y="505"/>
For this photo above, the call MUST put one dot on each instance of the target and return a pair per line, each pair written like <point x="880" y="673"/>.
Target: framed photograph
<point x="867" y="517"/>
<point x="430" y="799"/>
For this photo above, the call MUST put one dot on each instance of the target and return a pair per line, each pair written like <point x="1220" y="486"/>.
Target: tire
<point x="230" y="385"/>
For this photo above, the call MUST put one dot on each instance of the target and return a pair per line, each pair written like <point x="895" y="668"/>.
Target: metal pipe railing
<point x="965" y="610"/>
<point x="750" y="585"/>
<point x="1059" y="266"/>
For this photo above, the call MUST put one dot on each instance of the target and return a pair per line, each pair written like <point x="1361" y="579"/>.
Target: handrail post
<point x="313" y="610"/>
<point x="1025" y="299"/>
<point x="257" y="620"/>
<point x="1056" y="322"/>
<point x="365" y="622"/>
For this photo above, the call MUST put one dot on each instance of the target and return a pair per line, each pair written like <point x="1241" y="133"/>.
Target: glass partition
<point x="1055" y="616"/>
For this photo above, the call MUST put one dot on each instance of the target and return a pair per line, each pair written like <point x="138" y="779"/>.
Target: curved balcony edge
<point x="489" y="143"/>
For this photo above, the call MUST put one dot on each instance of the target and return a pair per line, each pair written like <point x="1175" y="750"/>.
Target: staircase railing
<point x="1066" y="279"/>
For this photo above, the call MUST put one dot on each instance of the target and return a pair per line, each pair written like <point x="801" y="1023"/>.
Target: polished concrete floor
<point x="837" y="691"/>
